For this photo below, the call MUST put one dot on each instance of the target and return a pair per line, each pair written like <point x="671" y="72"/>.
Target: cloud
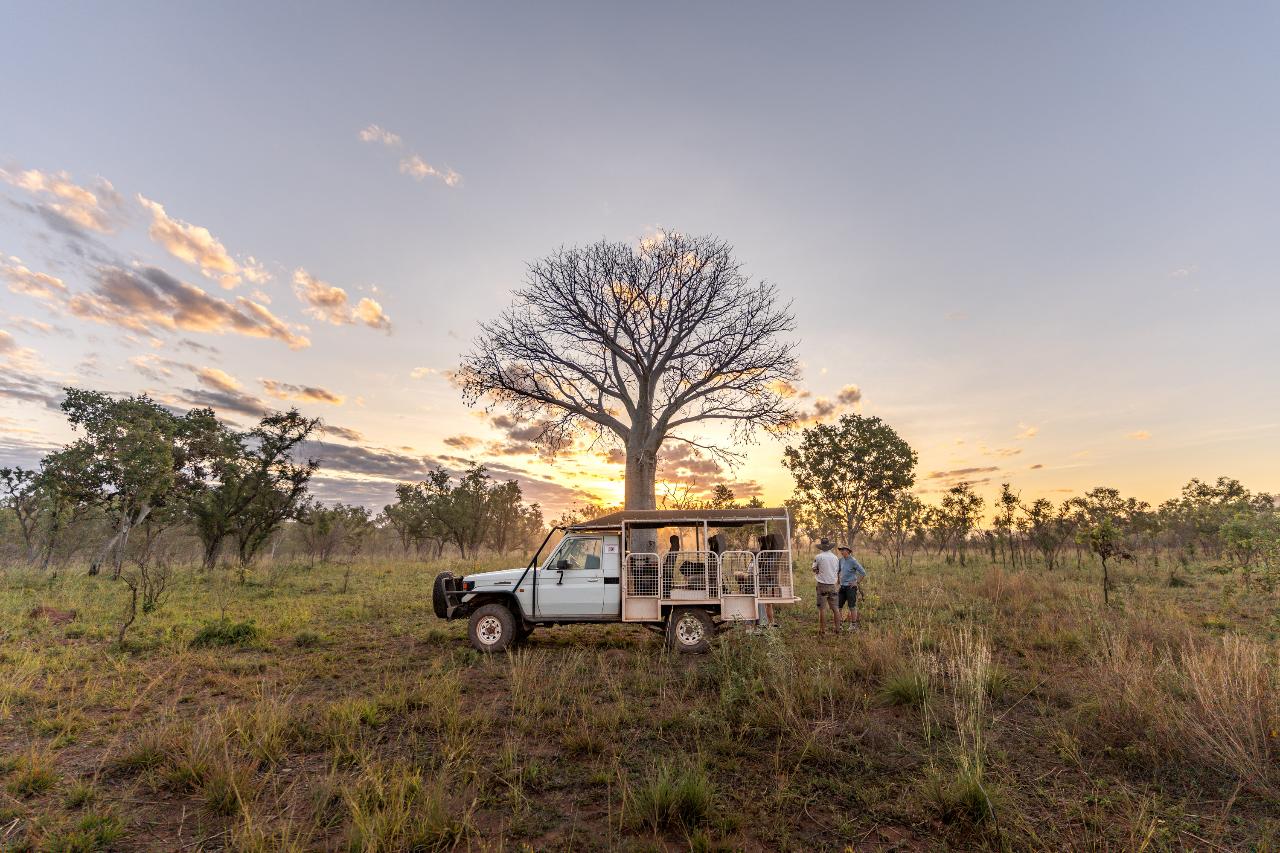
<point x="412" y="165"/>
<point x="1185" y="272"/>
<point x="1037" y="466"/>
<point x="21" y="376"/>
<point x="28" y="283"/>
<point x="419" y="169"/>
<point x="195" y="245"/>
<point x="304" y="393"/>
<point x="342" y="432"/>
<point x="157" y="367"/>
<point x="822" y="409"/>
<point x="462" y="442"/>
<point x="150" y="300"/>
<point x="224" y="401"/>
<point x="1027" y="432"/>
<point x="376" y="133"/>
<point x="369" y="312"/>
<point x="1003" y="452"/>
<point x="423" y="372"/>
<point x="788" y="390"/>
<point x="960" y="472"/>
<point x="98" y="209"/>
<point x="218" y="379"/>
<point x="850" y="395"/>
<point x="32" y="325"/>
<point x="1140" y="435"/>
<point x="329" y="304"/>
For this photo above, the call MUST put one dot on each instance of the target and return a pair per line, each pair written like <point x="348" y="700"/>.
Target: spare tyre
<point x="439" y="603"/>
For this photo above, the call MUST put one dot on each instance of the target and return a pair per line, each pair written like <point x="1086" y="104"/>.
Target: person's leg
<point x="853" y="608"/>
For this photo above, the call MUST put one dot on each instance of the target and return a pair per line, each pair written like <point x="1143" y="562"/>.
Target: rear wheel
<point x="492" y="628"/>
<point x="689" y="630"/>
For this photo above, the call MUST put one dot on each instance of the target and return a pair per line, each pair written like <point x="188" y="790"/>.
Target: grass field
<point x="978" y="708"/>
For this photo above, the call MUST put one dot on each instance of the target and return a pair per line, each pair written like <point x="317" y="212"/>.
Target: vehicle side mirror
<point x="563" y="565"/>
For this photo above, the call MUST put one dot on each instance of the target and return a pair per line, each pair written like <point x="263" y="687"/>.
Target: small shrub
<point x="224" y="632"/>
<point x="392" y="809"/>
<point x="33" y="774"/>
<point x="906" y="686"/>
<point x="225" y="787"/>
<point x="963" y="798"/>
<point x="80" y="794"/>
<point x="150" y="750"/>
<point x="92" y="833"/>
<point x="672" y="798"/>
<point x="307" y="640"/>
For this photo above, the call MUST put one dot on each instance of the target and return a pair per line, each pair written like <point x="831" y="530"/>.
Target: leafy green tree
<point x="275" y="482"/>
<point x="21" y="492"/>
<point x="1105" y="538"/>
<point x="900" y="527"/>
<point x="1047" y="528"/>
<point x="958" y="515"/>
<point x="248" y="484"/>
<point x="1006" y="522"/>
<point x="128" y="446"/>
<point x="848" y="474"/>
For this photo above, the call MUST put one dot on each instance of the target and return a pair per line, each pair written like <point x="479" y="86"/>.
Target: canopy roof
<point x="736" y="517"/>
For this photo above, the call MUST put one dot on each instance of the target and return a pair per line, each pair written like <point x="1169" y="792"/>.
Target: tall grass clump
<point x="1232" y="714"/>
<point x="969" y="665"/>
<point x="670" y="797"/>
<point x="391" y="808"/>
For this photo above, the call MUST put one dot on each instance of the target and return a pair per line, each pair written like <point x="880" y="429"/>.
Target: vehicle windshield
<point x="581" y="552"/>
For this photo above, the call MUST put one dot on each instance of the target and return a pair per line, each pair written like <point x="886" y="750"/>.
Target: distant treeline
<point x="145" y="484"/>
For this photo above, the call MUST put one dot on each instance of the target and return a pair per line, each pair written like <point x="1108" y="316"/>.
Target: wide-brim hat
<point x="824" y="545"/>
<point x="844" y="548"/>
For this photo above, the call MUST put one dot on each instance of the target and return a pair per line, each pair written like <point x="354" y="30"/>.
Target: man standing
<point x="851" y="573"/>
<point x="826" y="570"/>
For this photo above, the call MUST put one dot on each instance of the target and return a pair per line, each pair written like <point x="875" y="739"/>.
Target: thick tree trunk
<point x="642" y="473"/>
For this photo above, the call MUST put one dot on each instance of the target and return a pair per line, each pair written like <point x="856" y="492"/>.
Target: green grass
<point x="285" y="714"/>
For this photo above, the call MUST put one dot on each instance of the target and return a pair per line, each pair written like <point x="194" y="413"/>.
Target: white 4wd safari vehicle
<point x="689" y="573"/>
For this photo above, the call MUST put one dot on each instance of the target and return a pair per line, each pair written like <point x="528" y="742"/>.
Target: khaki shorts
<point x="828" y="596"/>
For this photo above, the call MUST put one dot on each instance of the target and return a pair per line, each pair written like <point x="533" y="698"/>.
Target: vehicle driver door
<point x="571" y="584"/>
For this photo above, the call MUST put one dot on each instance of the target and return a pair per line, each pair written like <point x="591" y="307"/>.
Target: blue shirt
<point x="851" y="571"/>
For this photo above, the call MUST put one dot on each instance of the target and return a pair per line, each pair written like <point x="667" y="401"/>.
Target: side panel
<point x="612" y="565"/>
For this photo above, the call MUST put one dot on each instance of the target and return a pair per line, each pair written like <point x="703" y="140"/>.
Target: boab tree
<point x="639" y="345"/>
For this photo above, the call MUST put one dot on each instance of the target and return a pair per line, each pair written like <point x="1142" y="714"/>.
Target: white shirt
<point x="827" y="565"/>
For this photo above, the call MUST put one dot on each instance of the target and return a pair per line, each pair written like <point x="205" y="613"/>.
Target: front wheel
<point x="492" y="628"/>
<point x="689" y="630"/>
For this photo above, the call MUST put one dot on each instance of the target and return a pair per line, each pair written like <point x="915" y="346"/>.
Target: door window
<point x="580" y="552"/>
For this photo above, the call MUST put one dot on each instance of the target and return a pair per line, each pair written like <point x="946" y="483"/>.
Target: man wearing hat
<point x="826" y="570"/>
<point x="851" y="573"/>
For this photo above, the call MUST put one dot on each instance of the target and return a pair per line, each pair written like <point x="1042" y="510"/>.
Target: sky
<point x="1041" y="241"/>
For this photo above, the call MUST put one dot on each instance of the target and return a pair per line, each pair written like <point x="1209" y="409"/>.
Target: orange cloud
<point x="328" y="303"/>
<point x="97" y="209"/>
<point x="305" y="393"/>
<point x="196" y="246"/>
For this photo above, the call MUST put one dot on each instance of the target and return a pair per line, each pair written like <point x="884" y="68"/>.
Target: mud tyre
<point x="689" y="630"/>
<point x="492" y="628"/>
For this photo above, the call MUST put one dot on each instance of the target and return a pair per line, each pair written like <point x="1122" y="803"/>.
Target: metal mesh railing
<point x="738" y="573"/>
<point x="642" y="574"/>
<point x="687" y="574"/>
<point x="704" y="574"/>
<point x="773" y="574"/>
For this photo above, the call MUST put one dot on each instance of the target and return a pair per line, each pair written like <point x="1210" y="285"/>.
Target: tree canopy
<point x="638" y="346"/>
